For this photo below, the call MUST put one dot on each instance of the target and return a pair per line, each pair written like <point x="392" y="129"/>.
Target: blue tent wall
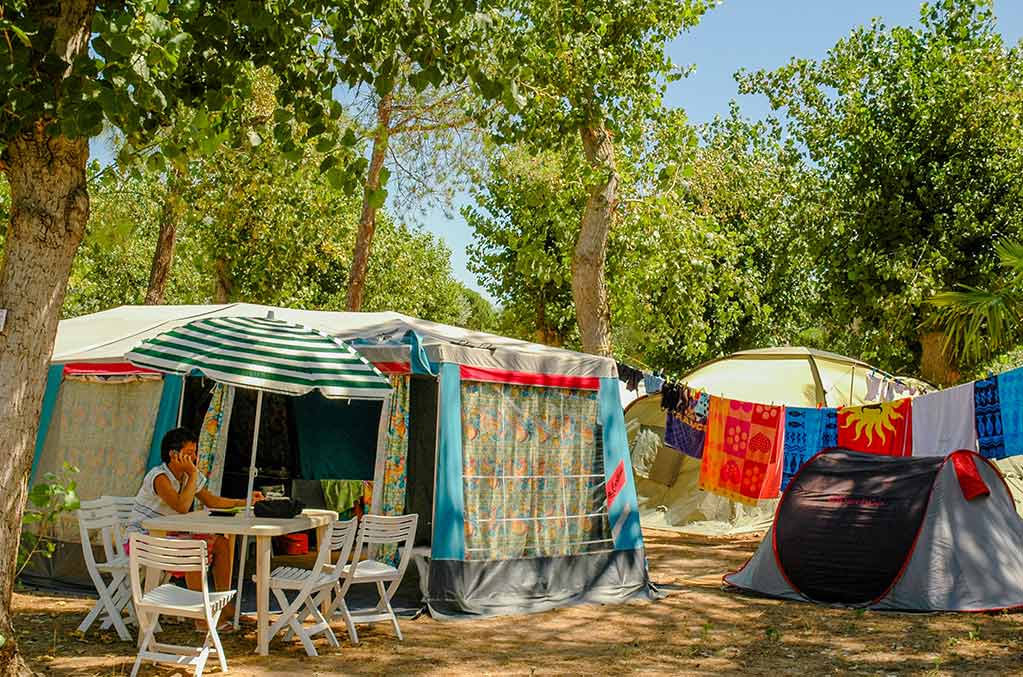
<point x="166" y="416"/>
<point x="449" y="497"/>
<point x="623" y="513"/>
<point x="54" y="377"/>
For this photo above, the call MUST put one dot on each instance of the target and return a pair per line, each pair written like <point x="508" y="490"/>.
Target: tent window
<point x="533" y="472"/>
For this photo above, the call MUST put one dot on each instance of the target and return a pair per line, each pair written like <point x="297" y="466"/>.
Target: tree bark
<point x="368" y="218"/>
<point x="49" y="209"/>
<point x="223" y="290"/>
<point x="163" y="257"/>
<point x="589" y="288"/>
<point x="936" y="365"/>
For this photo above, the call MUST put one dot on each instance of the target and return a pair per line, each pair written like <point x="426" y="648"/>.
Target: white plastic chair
<point x="313" y="588"/>
<point x="376" y="530"/>
<point x="100" y="515"/>
<point x="174" y="554"/>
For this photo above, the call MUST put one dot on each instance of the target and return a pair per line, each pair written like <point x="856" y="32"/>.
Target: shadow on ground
<point x="699" y="628"/>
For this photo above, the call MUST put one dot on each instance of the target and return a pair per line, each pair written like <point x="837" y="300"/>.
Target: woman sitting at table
<point x="171" y="488"/>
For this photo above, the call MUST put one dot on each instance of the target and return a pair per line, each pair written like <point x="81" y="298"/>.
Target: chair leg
<point x="146" y="625"/>
<point x="215" y="636"/>
<point x="115" y="607"/>
<point x="91" y="616"/>
<point x="313" y="605"/>
<point x="385" y="604"/>
<point x="290" y="615"/>
<point x="340" y="607"/>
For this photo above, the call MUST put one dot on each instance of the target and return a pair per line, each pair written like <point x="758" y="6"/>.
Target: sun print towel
<point x="742" y="452"/>
<point x="885" y="428"/>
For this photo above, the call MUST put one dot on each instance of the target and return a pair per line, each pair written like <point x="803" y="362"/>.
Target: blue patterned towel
<point x="1010" y="402"/>
<point x="807" y="431"/>
<point x="987" y="413"/>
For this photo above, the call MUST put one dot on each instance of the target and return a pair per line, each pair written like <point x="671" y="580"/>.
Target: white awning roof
<point x="109" y="335"/>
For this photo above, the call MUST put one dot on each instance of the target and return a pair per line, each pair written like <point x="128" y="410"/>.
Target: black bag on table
<point x="283" y="508"/>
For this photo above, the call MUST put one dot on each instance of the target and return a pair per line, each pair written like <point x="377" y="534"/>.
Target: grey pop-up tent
<point x="908" y="534"/>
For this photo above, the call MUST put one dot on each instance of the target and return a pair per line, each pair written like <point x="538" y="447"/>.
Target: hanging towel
<point x="943" y="422"/>
<point x="341" y="495"/>
<point x="885" y="428"/>
<point x="652" y="383"/>
<point x="988" y="417"/>
<point x="686" y="427"/>
<point x="1010" y="398"/>
<point x="742" y="452"/>
<point x="807" y="432"/>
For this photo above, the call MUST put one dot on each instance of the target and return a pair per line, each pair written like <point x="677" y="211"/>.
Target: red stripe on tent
<point x="104" y="368"/>
<point x="527" y="379"/>
<point x="393" y="367"/>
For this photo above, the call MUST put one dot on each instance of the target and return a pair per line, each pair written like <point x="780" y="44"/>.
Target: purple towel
<point x="686" y="428"/>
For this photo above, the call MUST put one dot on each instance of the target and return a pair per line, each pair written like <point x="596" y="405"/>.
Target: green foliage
<point x="917" y="137"/>
<point x="283" y="234"/>
<point x="48" y="499"/>
<point x="559" y="66"/>
<point x="707" y="256"/>
<point x="978" y="323"/>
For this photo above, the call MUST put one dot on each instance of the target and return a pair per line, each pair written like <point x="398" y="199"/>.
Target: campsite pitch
<point x="698" y="629"/>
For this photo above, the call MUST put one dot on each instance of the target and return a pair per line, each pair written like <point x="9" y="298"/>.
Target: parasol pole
<point x="248" y="506"/>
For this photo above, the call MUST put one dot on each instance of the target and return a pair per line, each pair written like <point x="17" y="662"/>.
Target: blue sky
<point x="749" y="34"/>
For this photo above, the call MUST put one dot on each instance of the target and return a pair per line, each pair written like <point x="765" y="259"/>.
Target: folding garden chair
<point x="174" y="554"/>
<point x="312" y="588"/>
<point x="100" y="515"/>
<point x="376" y="530"/>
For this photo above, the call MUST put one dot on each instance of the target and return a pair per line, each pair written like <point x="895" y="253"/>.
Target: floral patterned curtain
<point x="533" y="472"/>
<point x="396" y="454"/>
<point x="213" y="436"/>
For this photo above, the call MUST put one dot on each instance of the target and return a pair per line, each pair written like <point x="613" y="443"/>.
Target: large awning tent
<point x="514" y="454"/>
<point x="667" y="481"/>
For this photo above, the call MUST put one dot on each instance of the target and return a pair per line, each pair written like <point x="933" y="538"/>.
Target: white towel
<point x="943" y="422"/>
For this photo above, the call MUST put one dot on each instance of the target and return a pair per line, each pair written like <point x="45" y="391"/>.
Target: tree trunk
<point x="368" y="218"/>
<point x="223" y="290"/>
<point x="936" y="365"/>
<point x="49" y="209"/>
<point x="589" y="288"/>
<point x="163" y="257"/>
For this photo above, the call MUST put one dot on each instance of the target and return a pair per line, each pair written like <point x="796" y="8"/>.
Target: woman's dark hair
<point x="174" y="440"/>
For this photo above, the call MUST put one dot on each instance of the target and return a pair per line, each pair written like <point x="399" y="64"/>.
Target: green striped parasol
<point x="263" y="354"/>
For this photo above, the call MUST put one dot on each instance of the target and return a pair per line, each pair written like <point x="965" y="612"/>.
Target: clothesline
<point x="749" y="451"/>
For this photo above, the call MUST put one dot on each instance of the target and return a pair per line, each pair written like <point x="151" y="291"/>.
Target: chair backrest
<point x="342" y="538"/>
<point x="165" y="554"/>
<point x="380" y="530"/>
<point x="99" y="515"/>
<point x="124" y="506"/>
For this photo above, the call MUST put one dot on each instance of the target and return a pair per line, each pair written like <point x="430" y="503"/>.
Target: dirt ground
<point x="699" y="629"/>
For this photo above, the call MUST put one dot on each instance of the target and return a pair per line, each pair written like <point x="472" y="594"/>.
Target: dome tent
<point x="667" y="482"/>
<point x="881" y="532"/>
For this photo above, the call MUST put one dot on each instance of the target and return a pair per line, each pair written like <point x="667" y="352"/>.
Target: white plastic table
<point x="260" y="528"/>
